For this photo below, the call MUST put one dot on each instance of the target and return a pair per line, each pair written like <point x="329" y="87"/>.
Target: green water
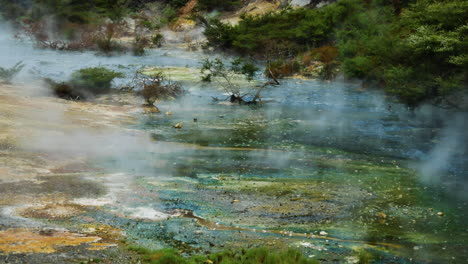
<point x="299" y="168"/>
<point x="318" y="158"/>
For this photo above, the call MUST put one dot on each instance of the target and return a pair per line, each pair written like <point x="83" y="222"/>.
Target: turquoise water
<point x="325" y="157"/>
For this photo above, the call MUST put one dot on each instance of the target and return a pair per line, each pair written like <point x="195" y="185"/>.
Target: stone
<point x="151" y="109"/>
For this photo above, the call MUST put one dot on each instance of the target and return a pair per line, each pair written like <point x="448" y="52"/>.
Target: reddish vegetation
<point x="187" y="9"/>
<point x="77" y="36"/>
<point x="325" y="54"/>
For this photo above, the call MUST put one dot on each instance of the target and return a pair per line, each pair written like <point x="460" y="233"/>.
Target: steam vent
<point x="237" y="131"/>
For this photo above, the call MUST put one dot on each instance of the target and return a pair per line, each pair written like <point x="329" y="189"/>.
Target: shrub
<point x="139" y="44"/>
<point x="282" y="68"/>
<point x="243" y="256"/>
<point x="288" y="31"/>
<point x="221" y="5"/>
<point x="325" y="54"/>
<point x="155" y="86"/>
<point x="178" y="3"/>
<point x="106" y="42"/>
<point x="11" y="10"/>
<point x="157" y="40"/>
<point x="365" y="256"/>
<point x="96" y="80"/>
<point x="7" y="74"/>
<point x="85" y="83"/>
<point x="63" y="90"/>
<point x="224" y="74"/>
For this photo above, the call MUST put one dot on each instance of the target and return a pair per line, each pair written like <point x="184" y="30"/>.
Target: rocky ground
<point x="40" y="180"/>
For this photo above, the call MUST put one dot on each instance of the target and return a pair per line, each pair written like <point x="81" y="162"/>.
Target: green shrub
<point x="7" y="74"/>
<point x="157" y="40"/>
<point x="244" y="256"/>
<point x="85" y="83"/>
<point x="365" y="257"/>
<point x="10" y="10"/>
<point x="409" y="53"/>
<point x="221" y="5"/>
<point x="139" y="44"/>
<point x="178" y="3"/>
<point x="96" y="80"/>
<point x="169" y="14"/>
<point x="225" y="74"/>
<point x="286" y="32"/>
<point x="417" y="50"/>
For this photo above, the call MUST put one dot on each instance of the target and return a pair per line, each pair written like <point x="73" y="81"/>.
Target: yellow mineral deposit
<point x="22" y="240"/>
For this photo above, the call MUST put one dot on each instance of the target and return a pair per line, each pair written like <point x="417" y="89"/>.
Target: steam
<point x="446" y="163"/>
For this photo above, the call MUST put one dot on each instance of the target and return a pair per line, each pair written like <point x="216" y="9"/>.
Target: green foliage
<point x="221" y="5"/>
<point x="245" y="68"/>
<point x="12" y="10"/>
<point x="416" y="50"/>
<point x="169" y="13"/>
<point x="178" y="3"/>
<point x="84" y="83"/>
<point x="364" y="256"/>
<point x="139" y="44"/>
<point x="96" y="80"/>
<point x="244" y="256"/>
<point x="77" y="11"/>
<point x="7" y="74"/>
<point x="157" y="40"/>
<point x="279" y="33"/>
<point x="409" y="54"/>
<point x="227" y="76"/>
<point x="216" y="68"/>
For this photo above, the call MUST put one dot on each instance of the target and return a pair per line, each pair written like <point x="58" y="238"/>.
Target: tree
<point x="7" y="74"/>
<point x="217" y="71"/>
<point x="155" y="86"/>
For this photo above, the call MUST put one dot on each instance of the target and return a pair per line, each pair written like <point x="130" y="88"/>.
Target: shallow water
<point x="323" y="166"/>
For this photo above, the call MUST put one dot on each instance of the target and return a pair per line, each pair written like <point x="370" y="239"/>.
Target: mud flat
<point x="39" y="182"/>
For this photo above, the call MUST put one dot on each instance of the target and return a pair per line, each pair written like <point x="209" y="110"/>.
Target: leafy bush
<point x="409" y="54"/>
<point x="12" y="10"/>
<point x="155" y="86"/>
<point x="282" y="68"/>
<point x="228" y="75"/>
<point x="244" y="256"/>
<point x="139" y="44"/>
<point x="157" y="40"/>
<point x="7" y="74"/>
<point x="286" y="32"/>
<point x="63" y="90"/>
<point x="85" y="83"/>
<point x="221" y="5"/>
<point x="178" y="3"/>
<point x="416" y="50"/>
<point x="224" y="75"/>
<point x="95" y="80"/>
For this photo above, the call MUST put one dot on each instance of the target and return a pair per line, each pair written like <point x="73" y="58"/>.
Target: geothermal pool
<point x="328" y="168"/>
